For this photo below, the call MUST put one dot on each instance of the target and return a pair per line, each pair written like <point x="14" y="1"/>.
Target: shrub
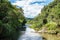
<point x="51" y="25"/>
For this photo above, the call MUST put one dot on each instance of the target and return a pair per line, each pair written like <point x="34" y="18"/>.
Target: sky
<point x="31" y="7"/>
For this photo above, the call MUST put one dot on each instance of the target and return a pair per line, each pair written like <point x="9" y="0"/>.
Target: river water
<point x="30" y="34"/>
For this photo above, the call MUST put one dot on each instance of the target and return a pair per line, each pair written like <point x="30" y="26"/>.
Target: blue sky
<point x="31" y="7"/>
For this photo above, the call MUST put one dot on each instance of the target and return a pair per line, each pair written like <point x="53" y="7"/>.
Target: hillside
<point x="49" y="17"/>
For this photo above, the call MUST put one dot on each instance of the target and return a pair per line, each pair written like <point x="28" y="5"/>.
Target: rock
<point x="58" y="34"/>
<point x="44" y="38"/>
<point x="44" y="30"/>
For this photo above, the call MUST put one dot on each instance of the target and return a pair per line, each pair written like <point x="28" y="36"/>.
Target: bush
<point x="51" y="25"/>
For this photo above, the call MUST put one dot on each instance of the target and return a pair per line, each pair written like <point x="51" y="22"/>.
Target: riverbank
<point x="47" y="36"/>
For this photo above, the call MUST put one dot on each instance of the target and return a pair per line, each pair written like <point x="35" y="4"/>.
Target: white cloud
<point x="30" y="10"/>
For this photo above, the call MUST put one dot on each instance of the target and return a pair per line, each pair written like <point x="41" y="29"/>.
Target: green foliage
<point x="51" y="25"/>
<point x="50" y="13"/>
<point x="10" y="24"/>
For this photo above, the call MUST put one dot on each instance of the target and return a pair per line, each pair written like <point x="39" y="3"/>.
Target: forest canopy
<point x="12" y="20"/>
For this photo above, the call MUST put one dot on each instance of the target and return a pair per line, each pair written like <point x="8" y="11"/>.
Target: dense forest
<point x="12" y="20"/>
<point x="48" y="19"/>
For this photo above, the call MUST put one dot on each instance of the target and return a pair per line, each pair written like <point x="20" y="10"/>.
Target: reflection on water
<point x="50" y="36"/>
<point x="30" y="35"/>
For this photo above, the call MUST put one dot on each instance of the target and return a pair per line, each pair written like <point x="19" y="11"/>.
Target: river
<point x="30" y="34"/>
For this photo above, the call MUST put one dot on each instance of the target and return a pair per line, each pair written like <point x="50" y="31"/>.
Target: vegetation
<point x="49" y="17"/>
<point x="11" y="20"/>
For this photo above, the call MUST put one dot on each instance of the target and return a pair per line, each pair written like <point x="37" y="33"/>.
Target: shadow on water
<point x="44" y="38"/>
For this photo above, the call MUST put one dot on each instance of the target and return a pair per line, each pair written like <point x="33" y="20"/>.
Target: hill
<point x="49" y="17"/>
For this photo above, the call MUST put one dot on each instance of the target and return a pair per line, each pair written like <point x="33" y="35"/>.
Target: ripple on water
<point x="29" y="35"/>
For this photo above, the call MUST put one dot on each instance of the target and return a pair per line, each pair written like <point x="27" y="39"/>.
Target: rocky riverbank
<point x="49" y="34"/>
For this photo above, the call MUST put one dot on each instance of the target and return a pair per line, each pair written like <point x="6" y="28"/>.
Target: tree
<point x="11" y="19"/>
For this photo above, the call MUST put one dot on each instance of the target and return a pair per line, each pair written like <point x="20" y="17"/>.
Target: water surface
<point x="30" y="34"/>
